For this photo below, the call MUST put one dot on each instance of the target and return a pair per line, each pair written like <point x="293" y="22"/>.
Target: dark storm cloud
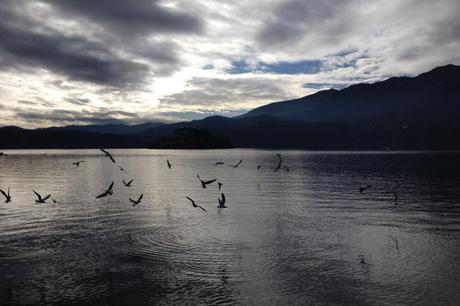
<point x="299" y="18"/>
<point x="73" y="57"/>
<point x="132" y="17"/>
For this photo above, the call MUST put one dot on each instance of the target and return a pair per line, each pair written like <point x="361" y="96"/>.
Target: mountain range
<point x="420" y="113"/>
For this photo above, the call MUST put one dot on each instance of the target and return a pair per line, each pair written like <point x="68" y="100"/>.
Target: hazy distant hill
<point x="419" y="113"/>
<point x="430" y="97"/>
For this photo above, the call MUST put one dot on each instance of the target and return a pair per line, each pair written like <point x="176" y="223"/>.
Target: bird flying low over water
<point x="109" y="191"/>
<point x="127" y="184"/>
<point x="194" y="204"/>
<point x="7" y="195"/>
<point x="236" y="165"/>
<point x="219" y="184"/>
<point x="78" y="163"/>
<point x="135" y="202"/>
<point x="222" y="201"/>
<point x="364" y="188"/>
<point x="40" y="199"/>
<point x="219" y="163"/>
<point x="204" y="183"/>
<point x="279" y="162"/>
<point x="168" y="163"/>
<point x="107" y="154"/>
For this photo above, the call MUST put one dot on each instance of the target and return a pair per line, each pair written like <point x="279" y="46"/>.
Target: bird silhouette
<point x="168" y="163"/>
<point x="127" y="184"/>
<point x="194" y="204"/>
<point x="78" y="163"/>
<point x="135" y="202"/>
<point x="7" y="195"/>
<point x="219" y="184"/>
<point x="107" y="154"/>
<point x="237" y="164"/>
<point x="109" y="191"/>
<point x="204" y="183"/>
<point x="222" y="201"/>
<point x="40" y="199"/>
<point x="364" y="188"/>
<point x="279" y="162"/>
<point x="219" y="163"/>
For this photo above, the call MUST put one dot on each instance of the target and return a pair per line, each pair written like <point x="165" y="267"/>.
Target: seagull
<point x="222" y="201"/>
<point x="195" y="205"/>
<point x="235" y="166"/>
<point x="219" y="184"/>
<point x="108" y="155"/>
<point x="279" y="162"/>
<point x="135" y="202"/>
<point x="78" y="163"/>
<point x="109" y="191"/>
<point x="219" y="163"/>
<point x="169" y="164"/>
<point x="204" y="183"/>
<point x="127" y="184"/>
<point x="364" y="188"/>
<point x="55" y="201"/>
<point x="258" y="167"/>
<point x="40" y="199"/>
<point x="7" y="195"/>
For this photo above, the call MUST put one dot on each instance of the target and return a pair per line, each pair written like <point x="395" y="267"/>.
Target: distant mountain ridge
<point x="430" y="97"/>
<point x="417" y="113"/>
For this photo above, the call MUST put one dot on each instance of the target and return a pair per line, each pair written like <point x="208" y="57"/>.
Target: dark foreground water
<point x="303" y="237"/>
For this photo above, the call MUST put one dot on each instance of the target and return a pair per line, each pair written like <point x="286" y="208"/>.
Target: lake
<point x="307" y="236"/>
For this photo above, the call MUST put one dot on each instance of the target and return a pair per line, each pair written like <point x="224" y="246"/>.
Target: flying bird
<point x="109" y="191"/>
<point x="219" y="163"/>
<point x="279" y="162"/>
<point x="364" y="188"/>
<point x="194" y="204"/>
<point x="236" y="166"/>
<point x="7" y="195"/>
<point x="169" y="164"/>
<point x="78" y="163"/>
<point x="219" y="184"/>
<point x="135" y="202"/>
<point x="127" y="184"/>
<point x="222" y="201"/>
<point x="107" y="154"/>
<point x="204" y="183"/>
<point x="40" y="199"/>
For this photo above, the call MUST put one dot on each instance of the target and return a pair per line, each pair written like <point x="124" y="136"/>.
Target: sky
<point x="93" y="62"/>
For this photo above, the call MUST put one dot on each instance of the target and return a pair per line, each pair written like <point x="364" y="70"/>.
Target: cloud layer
<point x="65" y="61"/>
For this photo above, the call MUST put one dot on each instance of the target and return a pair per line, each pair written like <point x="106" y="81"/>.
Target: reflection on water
<point x="303" y="237"/>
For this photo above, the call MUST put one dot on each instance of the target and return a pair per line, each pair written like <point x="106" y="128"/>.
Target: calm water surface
<point x="298" y="238"/>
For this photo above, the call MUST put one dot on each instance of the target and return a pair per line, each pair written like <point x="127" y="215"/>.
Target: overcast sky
<point x="82" y="62"/>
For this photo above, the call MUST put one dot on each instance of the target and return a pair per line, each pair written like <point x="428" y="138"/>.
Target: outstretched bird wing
<point x="201" y="208"/>
<point x="3" y="192"/>
<point x="102" y="195"/>
<point x="110" y="187"/>
<point x="140" y="197"/>
<point x="47" y="197"/>
<point x="210" y="182"/>
<point x="108" y="155"/>
<point x="39" y="196"/>
<point x="190" y="199"/>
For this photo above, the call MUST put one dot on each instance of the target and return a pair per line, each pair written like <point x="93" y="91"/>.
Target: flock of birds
<point x="204" y="183"/>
